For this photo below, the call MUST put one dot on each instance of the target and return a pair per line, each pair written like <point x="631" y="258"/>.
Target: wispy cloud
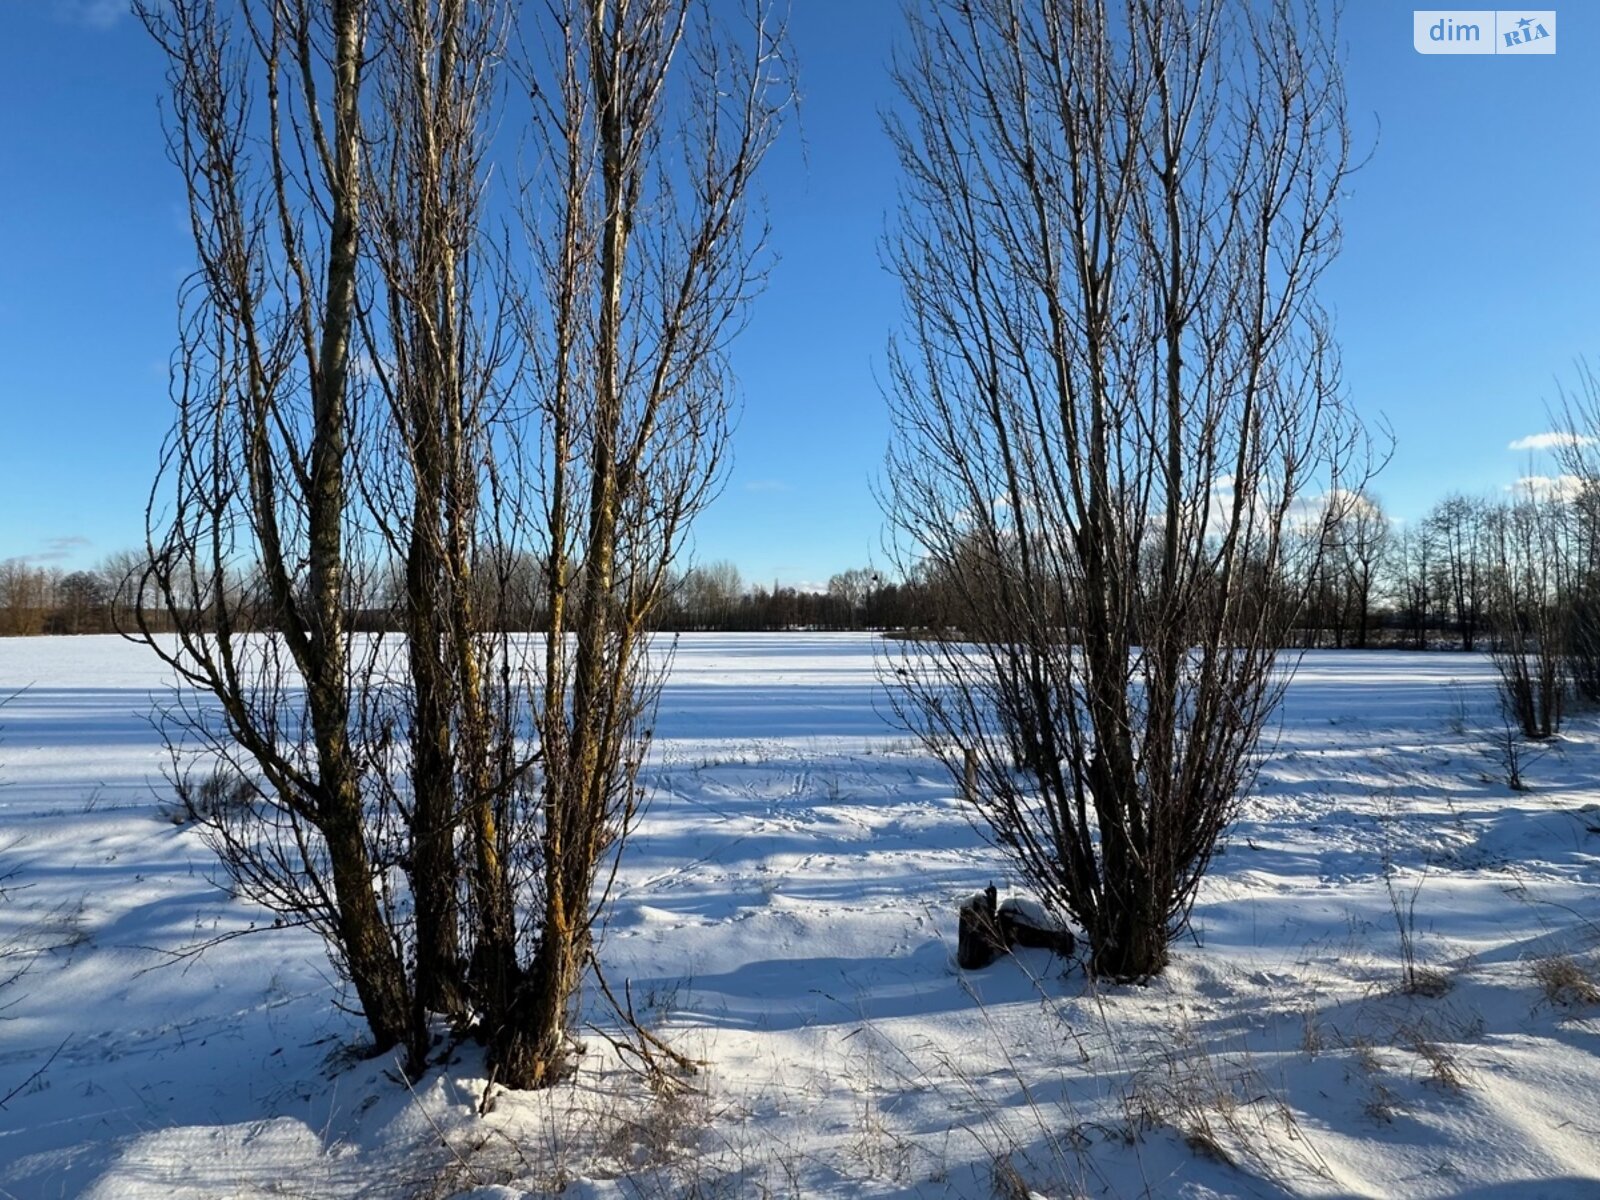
<point x="92" y="14"/>
<point x="766" y="485"/>
<point x="785" y="575"/>
<point x="1550" y="441"/>
<point x="56" y="549"/>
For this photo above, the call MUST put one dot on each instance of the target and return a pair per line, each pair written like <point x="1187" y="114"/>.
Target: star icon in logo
<point x="1525" y="22"/>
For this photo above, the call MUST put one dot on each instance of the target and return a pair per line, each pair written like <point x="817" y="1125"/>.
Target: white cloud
<point x="1305" y="513"/>
<point x="1308" y="512"/>
<point x="1349" y="503"/>
<point x="1550" y="441"/>
<point x="1547" y="487"/>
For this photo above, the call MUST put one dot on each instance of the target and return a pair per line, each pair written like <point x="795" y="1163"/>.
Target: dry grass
<point x="1311" y="1037"/>
<point x="1425" y="982"/>
<point x="884" y="1153"/>
<point x="209" y="796"/>
<point x="658" y="1132"/>
<point x="1382" y="1101"/>
<point x="1008" y="1181"/>
<point x="1222" y="1105"/>
<point x="1444" y="1069"/>
<point x="1565" y="981"/>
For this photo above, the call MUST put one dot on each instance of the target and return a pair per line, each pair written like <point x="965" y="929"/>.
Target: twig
<point x="648" y="1044"/>
<point x="196" y="949"/>
<point x="14" y="1092"/>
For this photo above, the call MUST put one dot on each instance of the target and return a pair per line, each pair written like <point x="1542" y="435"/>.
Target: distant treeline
<point x="1433" y="583"/>
<point x="37" y="600"/>
<point x="40" y="599"/>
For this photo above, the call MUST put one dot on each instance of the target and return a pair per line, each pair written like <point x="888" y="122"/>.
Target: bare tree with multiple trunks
<point x="1457" y="527"/>
<point x="1530" y="563"/>
<point x="1114" y="397"/>
<point x="649" y="118"/>
<point x="375" y="394"/>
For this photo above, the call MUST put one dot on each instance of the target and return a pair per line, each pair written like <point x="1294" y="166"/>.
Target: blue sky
<point x="1468" y="285"/>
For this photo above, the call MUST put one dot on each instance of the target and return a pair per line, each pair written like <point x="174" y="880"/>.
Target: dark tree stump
<point x="985" y="932"/>
<point x="979" y="940"/>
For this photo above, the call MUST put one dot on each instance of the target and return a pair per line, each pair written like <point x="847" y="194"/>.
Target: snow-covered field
<point x="787" y="915"/>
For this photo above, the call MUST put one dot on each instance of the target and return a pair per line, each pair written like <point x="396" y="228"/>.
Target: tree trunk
<point x="375" y="968"/>
<point x="531" y="1047"/>
<point x="1130" y="945"/>
<point x="433" y="869"/>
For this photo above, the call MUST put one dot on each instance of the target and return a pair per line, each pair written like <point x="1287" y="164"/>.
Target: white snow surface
<point x="786" y="915"/>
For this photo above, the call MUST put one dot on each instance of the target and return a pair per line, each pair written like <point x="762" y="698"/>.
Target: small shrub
<point x="220" y="793"/>
<point x="877" y="1147"/>
<point x="1416" y="979"/>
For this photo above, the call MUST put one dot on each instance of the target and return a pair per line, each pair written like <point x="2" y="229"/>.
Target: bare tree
<point x="851" y="590"/>
<point x="707" y="594"/>
<point x="266" y="126"/>
<point x="81" y="603"/>
<point x="1578" y="452"/>
<point x="125" y="573"/>
<point x="1324" y="614"/>
<point x="651" y="117"/>
<point x="1363" y="551"/>
<point x="1416" y="575"/>
<point x="1530" y="557"/>
<point x="1455" y="525"/>
<point x="1115" y="392"/>
<point x="452" y="736"/>
<point x="1582" y="638"/>
<point x="374" y="408"/>
<point x="26" y="595"/>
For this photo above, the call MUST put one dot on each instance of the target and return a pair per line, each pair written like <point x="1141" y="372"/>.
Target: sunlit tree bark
<point x="651" y="117"/>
